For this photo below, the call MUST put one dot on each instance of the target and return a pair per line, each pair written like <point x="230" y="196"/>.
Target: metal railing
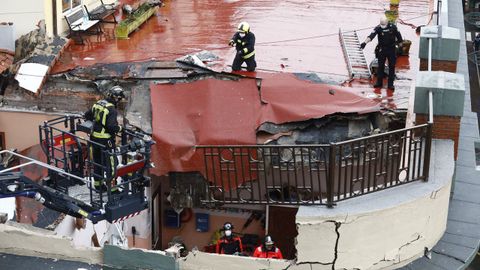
<point x="68" y="147"/>
<point x="315" y="174"/>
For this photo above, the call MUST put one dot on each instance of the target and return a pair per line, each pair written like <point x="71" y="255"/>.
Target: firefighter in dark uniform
<point x="388" y="37"/>
<point x="268" y="249"/>
<point x="244" y="42"/>
<point x="229" y="243"/>
<point x="103" y="114"/>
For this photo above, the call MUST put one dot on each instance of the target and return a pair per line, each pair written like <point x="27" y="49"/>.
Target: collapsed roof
<point x="228" y="112"/>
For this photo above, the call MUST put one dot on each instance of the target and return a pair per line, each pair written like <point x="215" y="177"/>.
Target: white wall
<point x="381" y="230"/>
<point x="41" y="243"/>
<point x="25" y="14"/>
<point x="21" y="136"/>
<point x="82" y="237"/>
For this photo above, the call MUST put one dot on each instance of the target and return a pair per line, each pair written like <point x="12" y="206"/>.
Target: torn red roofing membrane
<point x="223" y="112"/>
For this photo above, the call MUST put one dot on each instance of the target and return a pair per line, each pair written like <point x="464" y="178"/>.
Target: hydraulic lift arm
<point x="15" y="184"/>
<point x="69" y="164"/>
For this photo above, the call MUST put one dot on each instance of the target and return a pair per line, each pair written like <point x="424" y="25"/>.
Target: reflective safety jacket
<point x="246" y="45"/>
<point x="387" y="37"/>
<point x="229" y="245"/>
<point x="262" y="252"/>
<point x="104" y="117"/>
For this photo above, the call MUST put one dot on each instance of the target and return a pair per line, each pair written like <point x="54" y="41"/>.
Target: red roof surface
<point x="221" y="112"/>
<point x="291" y="36"/>
<point x="301" y="35"/>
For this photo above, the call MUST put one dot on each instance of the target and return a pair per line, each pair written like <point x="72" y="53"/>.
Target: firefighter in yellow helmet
<point x="244" y="41"/>
<point x="103" y="114"/>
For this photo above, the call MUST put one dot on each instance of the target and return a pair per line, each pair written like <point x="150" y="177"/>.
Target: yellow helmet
<point x="244" y="27"/>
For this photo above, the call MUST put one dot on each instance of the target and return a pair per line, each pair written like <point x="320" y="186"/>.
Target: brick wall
<point x="444" y="127"/>
<point x="439" y="65"/>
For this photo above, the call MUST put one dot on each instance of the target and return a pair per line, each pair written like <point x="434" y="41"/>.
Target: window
<point x="2" y="140"/>
<point x="68" y="5"/>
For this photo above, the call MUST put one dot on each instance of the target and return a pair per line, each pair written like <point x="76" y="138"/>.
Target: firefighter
<point x="229" y="243"/>
<point x="244" y="42"/>
<point x="103" y="114"/>
<point x="388" y="37"/>
<point x="268" y="249"/>
<point x="476" y="42"/>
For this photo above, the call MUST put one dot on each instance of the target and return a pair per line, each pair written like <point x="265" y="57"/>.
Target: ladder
<point x="356" y="62"/>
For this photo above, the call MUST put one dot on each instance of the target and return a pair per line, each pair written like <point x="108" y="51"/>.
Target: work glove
<point x="231" y="43"/>
<point x="240" y="53"/>
<point x="362" y="46"/>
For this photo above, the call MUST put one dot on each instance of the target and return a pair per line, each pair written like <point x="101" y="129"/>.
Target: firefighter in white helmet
<point x="388" y="36"/>
<point x="268" y="249"/>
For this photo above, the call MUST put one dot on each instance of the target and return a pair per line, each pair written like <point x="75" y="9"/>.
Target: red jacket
<point x="229" y="245"/>
<point x="261" y="252"/>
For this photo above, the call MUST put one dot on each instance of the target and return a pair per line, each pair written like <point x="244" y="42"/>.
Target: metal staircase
<point x="356" y="62"/>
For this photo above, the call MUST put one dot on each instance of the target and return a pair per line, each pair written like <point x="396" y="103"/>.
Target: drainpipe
<point x="54" y="17"/>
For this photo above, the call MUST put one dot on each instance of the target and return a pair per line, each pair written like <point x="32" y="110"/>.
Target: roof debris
<point x="228" y="112"/>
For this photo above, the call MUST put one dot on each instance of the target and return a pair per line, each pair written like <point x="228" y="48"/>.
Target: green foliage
<point x="134" y="20"/>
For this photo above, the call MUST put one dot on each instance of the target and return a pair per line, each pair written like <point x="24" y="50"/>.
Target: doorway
<point x="282" y="228"/>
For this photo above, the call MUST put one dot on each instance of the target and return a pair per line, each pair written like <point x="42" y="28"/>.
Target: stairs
<point x="356" y="62"/>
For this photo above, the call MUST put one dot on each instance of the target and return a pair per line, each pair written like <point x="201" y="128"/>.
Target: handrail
<point x="36" y="162"/>
<point x="315" y="174"/>
<point x="381" y="134"/>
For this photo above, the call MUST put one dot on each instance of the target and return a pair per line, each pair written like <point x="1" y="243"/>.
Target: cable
<point x="336" y="33"/>
<point x="310" y="37"/>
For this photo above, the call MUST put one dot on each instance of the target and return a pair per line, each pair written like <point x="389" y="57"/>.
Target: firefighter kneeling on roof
<point x="105" y="127"/>
<point x="244" y="42"/>
<point x="268" y="249"/>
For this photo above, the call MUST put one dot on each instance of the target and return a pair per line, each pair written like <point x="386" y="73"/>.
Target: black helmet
<point x="227" y="226"/>
<point x="115" y="93"/>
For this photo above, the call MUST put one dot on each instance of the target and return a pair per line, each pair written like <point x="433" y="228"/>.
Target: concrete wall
<point x="21" y="128"/>
<point x="133" y="259"/>
<point x="41" y="243"/>
<point x="25" y="14"/>
<point x="206" y="261"/>
<point x="142" y="225"/>
<point x="382" y="230"/>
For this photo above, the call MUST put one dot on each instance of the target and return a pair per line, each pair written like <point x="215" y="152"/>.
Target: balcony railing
<point x="315" y="174"/>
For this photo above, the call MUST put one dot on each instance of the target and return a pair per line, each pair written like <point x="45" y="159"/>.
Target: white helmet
<point x="383" y="22"/>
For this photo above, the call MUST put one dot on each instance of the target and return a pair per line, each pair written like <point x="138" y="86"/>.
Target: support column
<point x="445" y="48"/>
<point x="448" y="98"/>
